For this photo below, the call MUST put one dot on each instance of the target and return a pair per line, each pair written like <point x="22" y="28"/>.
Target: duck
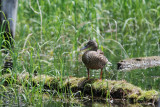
<point x="93" y="58"/>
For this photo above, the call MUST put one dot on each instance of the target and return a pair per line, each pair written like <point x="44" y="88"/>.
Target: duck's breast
<point x="94" y="60"/>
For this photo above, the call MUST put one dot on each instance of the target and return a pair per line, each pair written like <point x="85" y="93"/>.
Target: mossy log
<point x="138" y="63"/>
<point x="82" y="86"/>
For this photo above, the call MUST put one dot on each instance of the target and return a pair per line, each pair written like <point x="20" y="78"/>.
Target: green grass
<point x="49" y="34"/>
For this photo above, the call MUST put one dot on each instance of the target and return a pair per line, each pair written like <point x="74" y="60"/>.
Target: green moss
<point x="117" y="89"/>
<point x="133" y="95"/>
<point x="23" y="78"/>
<point x="99" y="85"/>
<point x="148" y="95"/>
<point x="127" y="88"/>
<point x="7" y="78"/>
<point x="73" y="82"/>
<point x="122" y="89"/>
<point x="48" y="81"/>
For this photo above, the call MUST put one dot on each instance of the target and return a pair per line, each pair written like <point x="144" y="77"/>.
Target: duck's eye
<point x="90" y="43"/>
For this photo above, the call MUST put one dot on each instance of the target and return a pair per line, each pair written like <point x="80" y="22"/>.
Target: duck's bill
<point x="84" y="48"/>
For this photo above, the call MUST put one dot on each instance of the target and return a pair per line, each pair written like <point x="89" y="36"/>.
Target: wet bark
<point x="138" y="63"/>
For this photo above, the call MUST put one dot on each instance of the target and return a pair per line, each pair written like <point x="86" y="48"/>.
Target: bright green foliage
<point x="50" y="33"/>
<point x="123" y="29"/>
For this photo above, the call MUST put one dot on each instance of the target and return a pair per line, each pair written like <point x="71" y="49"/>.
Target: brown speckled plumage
<point x="94" y="58"/>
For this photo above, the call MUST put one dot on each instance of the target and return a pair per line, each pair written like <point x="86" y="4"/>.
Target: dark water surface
<point x="10" y="99"/>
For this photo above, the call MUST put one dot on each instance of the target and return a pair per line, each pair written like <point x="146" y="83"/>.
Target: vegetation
<point x="81" y="87"/>
<point x="50" y="33"/>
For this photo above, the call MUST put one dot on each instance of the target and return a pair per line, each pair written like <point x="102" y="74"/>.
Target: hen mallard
<point x="94" y="58"/>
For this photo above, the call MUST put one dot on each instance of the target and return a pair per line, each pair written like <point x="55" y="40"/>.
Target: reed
<point x="50" y="33"/>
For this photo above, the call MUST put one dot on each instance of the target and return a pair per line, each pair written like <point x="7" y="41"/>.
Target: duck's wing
<point x="101" y="55"/>
<point x="100" y="52"/>
<point x="94" y="60"/>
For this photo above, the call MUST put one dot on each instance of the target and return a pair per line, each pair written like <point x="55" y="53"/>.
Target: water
<point x="10" y="99"/>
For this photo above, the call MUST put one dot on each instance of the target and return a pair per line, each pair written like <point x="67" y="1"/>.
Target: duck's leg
<point x="101" y="74"/>
<point x="88" y="73"/>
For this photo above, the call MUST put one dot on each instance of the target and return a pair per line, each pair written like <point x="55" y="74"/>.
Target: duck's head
<point x="92" y="45"/>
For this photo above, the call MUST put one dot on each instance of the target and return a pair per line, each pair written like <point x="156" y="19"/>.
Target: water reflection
<point x="10" y="99"/>
<point x="95" y="103"/>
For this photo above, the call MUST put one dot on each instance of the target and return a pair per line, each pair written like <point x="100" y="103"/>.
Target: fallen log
<point x="138" y="63"/>
<point x="110" y="89"/>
